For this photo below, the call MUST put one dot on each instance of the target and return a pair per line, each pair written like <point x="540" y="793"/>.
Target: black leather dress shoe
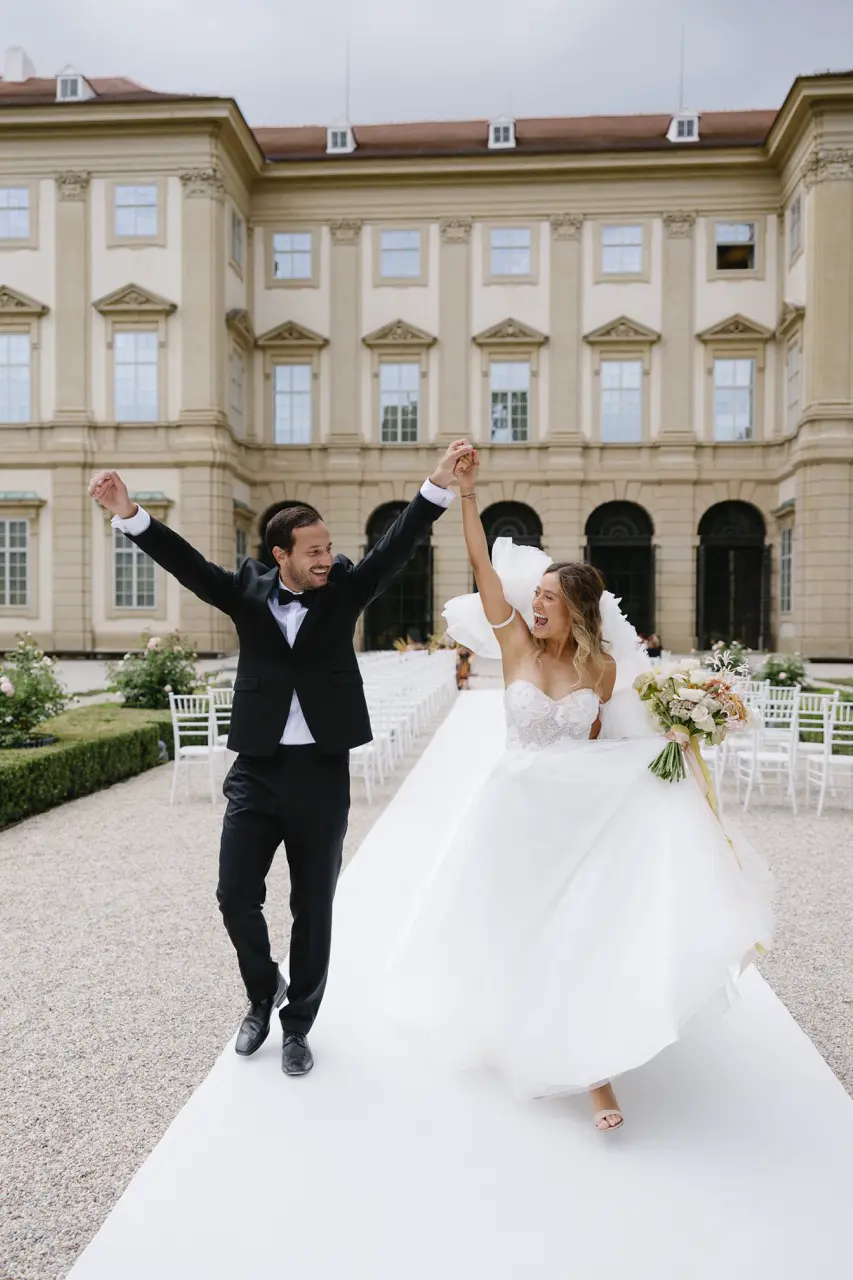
<point x="255" y="1027"/>
<point x="296" y="1058"/>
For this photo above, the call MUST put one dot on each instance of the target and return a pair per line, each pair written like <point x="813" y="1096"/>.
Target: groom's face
<point x="308" y="564"/>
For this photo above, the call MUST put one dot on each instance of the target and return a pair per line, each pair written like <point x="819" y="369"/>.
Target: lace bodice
<point x="534" y="720"/>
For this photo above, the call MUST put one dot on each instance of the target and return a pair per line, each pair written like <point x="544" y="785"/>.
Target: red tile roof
<point x="40" y="91"/>
<point x="533" y="137"/>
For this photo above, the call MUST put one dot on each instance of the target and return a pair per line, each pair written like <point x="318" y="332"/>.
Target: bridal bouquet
<point x="690" y="706"/>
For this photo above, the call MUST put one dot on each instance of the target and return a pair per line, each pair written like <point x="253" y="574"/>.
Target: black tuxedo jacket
<point x="321" y="666"/>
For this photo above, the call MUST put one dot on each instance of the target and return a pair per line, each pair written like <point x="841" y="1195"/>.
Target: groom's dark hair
<point x="280" y="528"/>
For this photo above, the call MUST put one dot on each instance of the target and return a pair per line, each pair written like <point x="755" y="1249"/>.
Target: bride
<point x="586" y="911"/>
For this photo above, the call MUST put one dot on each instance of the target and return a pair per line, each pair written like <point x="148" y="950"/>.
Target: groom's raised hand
<point x="445" y="471"/>
<point x="108" y="488"/>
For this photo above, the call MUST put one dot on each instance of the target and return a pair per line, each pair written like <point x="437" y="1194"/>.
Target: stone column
<point x="566" y="340"/>
<point x="71" y="443"/>
<point x="205" y="513"/>
<point x="823" y="451"/>
<point x="202" y="309"/>
<point x="71" y="316"/>
<point x="675" y="566"/>
<point x="345" y="332"/>
<point x="678" y="325"/>
<point x="454" y="330"/>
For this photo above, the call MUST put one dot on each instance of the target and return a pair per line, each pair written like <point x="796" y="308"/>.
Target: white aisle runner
<point x="736" y="1161"/>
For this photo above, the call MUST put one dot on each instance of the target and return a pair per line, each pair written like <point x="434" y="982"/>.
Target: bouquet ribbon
<point x="689" y="746"/>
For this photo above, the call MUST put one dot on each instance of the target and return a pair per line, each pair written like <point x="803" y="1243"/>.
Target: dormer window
<point x="340" y="140"/>
<point x="71" y="87"/>
<point x="684" y="127"/>
<point x="501" y="135"/>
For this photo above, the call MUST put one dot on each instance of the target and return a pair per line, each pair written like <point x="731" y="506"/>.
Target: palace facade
<point x="645" y="323"/>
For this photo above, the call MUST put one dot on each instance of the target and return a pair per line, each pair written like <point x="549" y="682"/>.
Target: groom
<point x="299" y="708"/>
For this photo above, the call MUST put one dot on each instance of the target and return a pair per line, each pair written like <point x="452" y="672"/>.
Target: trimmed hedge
<point x="96" y="746"/>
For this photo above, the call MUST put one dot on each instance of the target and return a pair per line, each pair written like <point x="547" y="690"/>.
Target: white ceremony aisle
<point x="736" y="1159"/>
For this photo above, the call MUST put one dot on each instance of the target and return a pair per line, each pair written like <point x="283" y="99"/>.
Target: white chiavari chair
<point x="193" y="733"/>
<point x="833" y="766"/>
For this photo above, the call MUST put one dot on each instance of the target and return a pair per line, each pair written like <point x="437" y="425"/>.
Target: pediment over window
<point x="510" y="333"/>
<point x="622" y="331"/>
<point x="399" y="334"/>
<point x="13" y="303"/>
<point x="737" y="328"/>
<point x="291" y="334"/>
<point x="132" y="299"/>
<point x="239" y="321"/>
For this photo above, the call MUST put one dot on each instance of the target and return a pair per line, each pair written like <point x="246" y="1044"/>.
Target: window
<point x="135" y="354"/>
<point x="511" y="251"/>
<point x="14" y="565"/>
<point x="502" y="134"/>
<point x="15" y="378"/>
<point x="237" y="239"/>
<point x="292" y="406"/>
<point x="685" y="129"/>
<point x="133" y="575"/>
<point x="736" y="246"/>
<point x="793" y="380"/>
<point x="795" y="228"/>
<point x="241" y="545"/>
<point x="400" y="255"/>
<point x="734" y="400"/>
<point x="786" y="565"/>
<point x="70" y="89"/>
<point x="135" y="211"/>
<point x="399" y="398"/>
<point x="621" y="401"/>
<point x="292" y="255"/>
<point x="14" y="213"/>
<point x="510" y="407"/>
<point x="340" y="138"/>
<point x="622" y="250"/>
<point x="238" y="389"/>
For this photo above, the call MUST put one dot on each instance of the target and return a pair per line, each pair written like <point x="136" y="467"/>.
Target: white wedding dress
<point x="585" y="912"/>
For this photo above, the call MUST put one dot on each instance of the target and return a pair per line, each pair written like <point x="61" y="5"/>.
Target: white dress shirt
<point x="288" y="616"/>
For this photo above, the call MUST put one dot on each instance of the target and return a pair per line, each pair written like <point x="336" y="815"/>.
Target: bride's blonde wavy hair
<point x="582" y="587"/>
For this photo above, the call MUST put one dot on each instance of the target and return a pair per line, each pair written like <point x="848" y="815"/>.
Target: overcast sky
<point x="442" y="59"/>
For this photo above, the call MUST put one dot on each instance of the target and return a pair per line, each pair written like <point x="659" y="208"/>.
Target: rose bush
<point x="30" y="692"/>
<point x="164" y="665"/>
<point x="784" y="670"/>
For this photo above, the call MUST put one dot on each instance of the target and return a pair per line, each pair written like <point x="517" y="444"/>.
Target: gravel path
<point x="118" y="990"/>
<point x="119" y="986"/>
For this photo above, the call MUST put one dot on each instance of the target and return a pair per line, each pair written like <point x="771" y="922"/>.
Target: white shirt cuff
<point x="434" y="493"/>
<point x="136" y="524"/>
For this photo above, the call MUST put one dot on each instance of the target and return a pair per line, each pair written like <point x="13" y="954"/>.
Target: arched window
<point x="619" y="544"/>
<point x="404" y="611"/>
<point x="512" y="520"/>
<point x="733" y="577"/>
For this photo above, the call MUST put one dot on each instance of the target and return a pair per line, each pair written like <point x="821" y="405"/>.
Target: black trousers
<point x="300" y="797"/>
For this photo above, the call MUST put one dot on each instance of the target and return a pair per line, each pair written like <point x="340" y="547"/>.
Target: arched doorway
<point x="404" y="611"/>
<point x="262" y="554"/>
<point x="733" y="577"/>
<point x="512" y="520"/>
<point x="619" y="544"/>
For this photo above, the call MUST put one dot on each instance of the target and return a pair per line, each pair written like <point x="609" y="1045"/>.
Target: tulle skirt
<point x="583" y="916"/>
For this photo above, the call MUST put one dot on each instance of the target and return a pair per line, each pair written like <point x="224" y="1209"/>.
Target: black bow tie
<point x="305" y="598"/>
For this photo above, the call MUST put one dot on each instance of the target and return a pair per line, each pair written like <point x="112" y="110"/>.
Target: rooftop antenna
<point x="681" y="75"/>
<point x="347" y="82"/>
